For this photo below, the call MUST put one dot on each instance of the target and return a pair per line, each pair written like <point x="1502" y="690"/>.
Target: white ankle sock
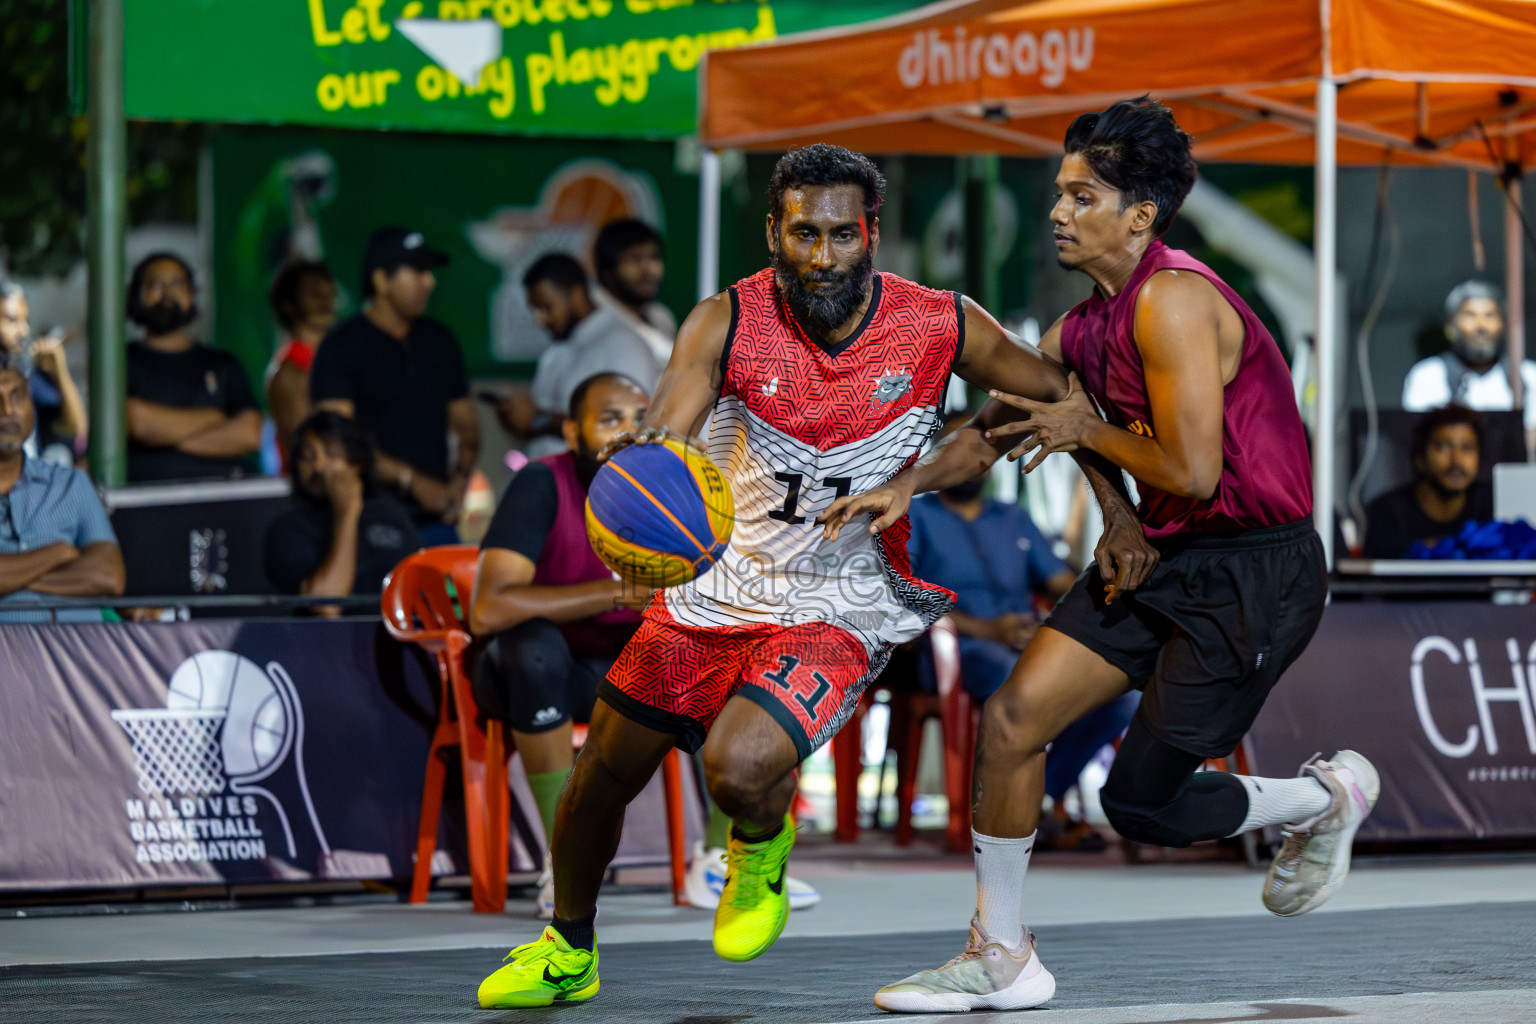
<point x="1277" y="801"/>
<point x="1000" y="868"/>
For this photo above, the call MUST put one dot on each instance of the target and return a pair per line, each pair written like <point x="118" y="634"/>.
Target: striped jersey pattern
<point x="798" y="425"/>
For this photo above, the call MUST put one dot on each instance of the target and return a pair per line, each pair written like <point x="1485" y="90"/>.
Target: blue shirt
<point x="51" y="503"/>
<point x="994" y="565"/>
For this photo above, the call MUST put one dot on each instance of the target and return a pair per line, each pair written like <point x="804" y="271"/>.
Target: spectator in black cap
<point x="401" y="375"/>
<point x="630" y="257"/>
<point x="190" y="410"/>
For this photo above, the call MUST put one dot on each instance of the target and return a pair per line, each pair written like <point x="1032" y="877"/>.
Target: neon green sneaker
<point x="549" y="970"/>
<point x="754" y="903"/>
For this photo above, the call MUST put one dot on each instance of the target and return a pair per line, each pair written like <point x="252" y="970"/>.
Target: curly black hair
<point x="1137" y="148"/>
<point x="824" y="164"/>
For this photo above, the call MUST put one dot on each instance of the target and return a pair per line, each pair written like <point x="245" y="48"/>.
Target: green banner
<point x="594" y="68"/>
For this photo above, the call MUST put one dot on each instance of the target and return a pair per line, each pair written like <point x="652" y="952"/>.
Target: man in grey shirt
<point x="587" y="339"/>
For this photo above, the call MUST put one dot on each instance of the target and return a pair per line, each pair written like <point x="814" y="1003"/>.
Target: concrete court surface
<point x="1445" y="940"/>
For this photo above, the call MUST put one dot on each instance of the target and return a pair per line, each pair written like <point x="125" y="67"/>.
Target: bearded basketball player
<point x="825" y="379"/>
<point x="1200" y="411"/>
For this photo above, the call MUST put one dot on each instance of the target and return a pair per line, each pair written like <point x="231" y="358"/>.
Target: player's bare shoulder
<point x="1180" y="307"/>
<point x="708" y="324"/>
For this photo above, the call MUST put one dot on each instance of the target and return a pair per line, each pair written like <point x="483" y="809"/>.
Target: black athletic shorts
<point x="1210" y="631"/>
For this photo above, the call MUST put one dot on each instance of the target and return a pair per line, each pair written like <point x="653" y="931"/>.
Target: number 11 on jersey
<point x="840" y="486"/>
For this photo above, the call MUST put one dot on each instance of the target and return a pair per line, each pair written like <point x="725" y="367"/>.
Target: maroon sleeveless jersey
<point x="568" y="558"/>
<point x="1266" y="473"/>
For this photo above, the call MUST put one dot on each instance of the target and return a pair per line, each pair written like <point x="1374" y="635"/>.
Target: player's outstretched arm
<point x="692" y="380"/>
<point x="998" y="361"/>
<point x="990" y="357"/>
<point x="1177" y="332"/>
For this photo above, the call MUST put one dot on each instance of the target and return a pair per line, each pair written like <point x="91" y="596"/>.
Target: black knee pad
<point x="1141" y="824"/>
<point x="523" y="677"/>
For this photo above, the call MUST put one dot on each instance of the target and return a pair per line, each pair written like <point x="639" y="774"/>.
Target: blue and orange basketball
<point x="659" y="514"/>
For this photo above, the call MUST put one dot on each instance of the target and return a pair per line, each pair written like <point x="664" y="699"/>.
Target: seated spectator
<point x="995" y="559"/>
<point x="630" y="257"/>
<point x="549" y="616"/>
<point x="587" y="340"/>
<point x="303" y="300"/>
<point x="1446" y="493"/>
<point x="401" y="375"/>
<point x="343" y="536"/>
<point x="550" y="619"/>
<point x="56" y="401"/>
<point x="1474" y="373"/>
<point x="54" y="535"/>
<point x="190" y="411"/>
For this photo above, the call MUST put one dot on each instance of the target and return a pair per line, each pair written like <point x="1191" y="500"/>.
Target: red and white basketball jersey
<point x="798" y="425"/>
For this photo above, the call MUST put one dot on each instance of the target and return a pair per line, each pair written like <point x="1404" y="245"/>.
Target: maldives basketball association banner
<point x="207" y="753"/>
<point x="216" y="752"/>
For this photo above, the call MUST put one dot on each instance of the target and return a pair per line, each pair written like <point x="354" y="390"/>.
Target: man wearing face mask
<point x="190" y="410"/>
<point x="1474" y="373"/>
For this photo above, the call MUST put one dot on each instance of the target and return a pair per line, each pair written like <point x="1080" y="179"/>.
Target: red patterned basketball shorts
<point x="676" y="677"/>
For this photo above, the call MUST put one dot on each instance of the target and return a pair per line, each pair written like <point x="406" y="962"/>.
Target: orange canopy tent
<point x="1447" y="83"/>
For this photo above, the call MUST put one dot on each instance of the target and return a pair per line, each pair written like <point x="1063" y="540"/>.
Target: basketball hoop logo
<point x="226" y="724"/>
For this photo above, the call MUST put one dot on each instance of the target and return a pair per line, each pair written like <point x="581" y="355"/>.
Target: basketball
<point x="256" y="730"/>
<point x="659" y="514"/>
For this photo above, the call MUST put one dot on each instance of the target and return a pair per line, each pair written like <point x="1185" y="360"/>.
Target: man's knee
<point x="736" y="782"/>
<point x="1014" y="722"/>
<point x="1138" y="816"/>
<point x="522" y="676"/>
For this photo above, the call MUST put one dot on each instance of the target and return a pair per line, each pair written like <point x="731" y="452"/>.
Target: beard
<point x="627" y="295"/>
<point x="823" y="310"/>
<point x="162" y="317"/>
<point x="1477" y="349"/>
<point x="586" y="463"/>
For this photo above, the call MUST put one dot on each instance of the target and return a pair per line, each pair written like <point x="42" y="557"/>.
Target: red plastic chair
<point x="958" y="722"/>
<point x="418" y="608"/>
<point x="959" y="725"/>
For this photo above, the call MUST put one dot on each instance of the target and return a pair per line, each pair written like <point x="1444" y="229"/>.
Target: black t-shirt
<point x="1394" y="520"/>
<point x="399" y="390"/>
<point x="199" y="378"/>
<point x="298" y="541"/>
<point x="525" y="514"/>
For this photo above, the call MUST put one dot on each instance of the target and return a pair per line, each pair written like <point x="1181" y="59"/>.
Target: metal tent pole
<point x="1514" y="284"/>
<point x="106" y="158"/>
<point x="709" y="223"/>
<point x="1325" y="256"/>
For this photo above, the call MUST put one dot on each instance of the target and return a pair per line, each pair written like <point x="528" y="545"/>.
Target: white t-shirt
<point x="1443" y="379"/>
<point x="657" y="326"/>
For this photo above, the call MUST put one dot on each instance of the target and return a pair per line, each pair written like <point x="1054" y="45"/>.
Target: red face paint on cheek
<point x="864" y="231"/>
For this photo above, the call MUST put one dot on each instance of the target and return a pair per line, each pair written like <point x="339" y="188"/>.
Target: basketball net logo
<point x="226" y="727"/>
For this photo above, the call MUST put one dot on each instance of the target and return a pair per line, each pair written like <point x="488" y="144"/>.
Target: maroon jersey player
<point x="1198" y="408"/>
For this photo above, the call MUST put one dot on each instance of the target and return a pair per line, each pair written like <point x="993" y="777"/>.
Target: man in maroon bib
<point x="549" y="617"/>
<point x="1198" y="407"/>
